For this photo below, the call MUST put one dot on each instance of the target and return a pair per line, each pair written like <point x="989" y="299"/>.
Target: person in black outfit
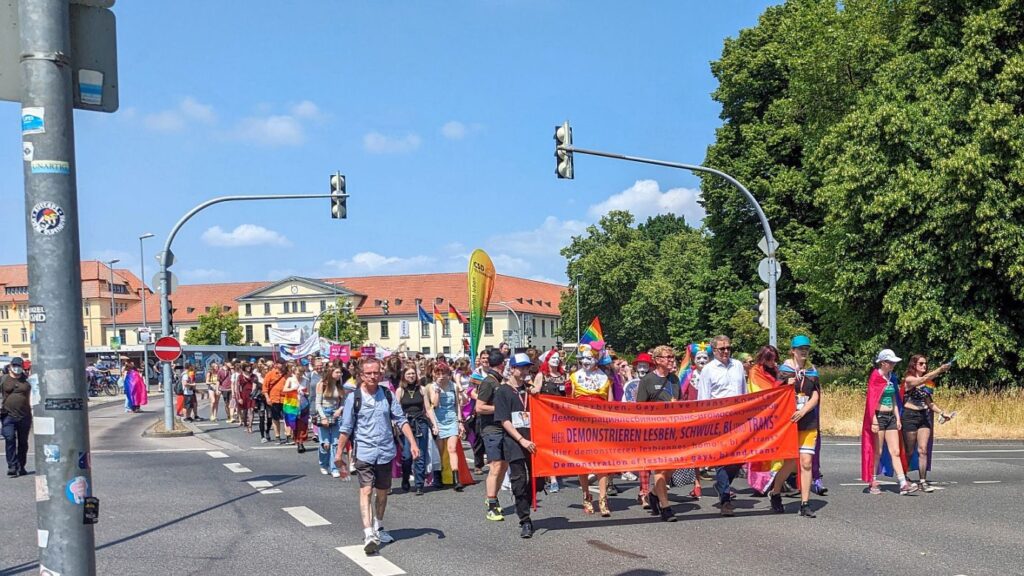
<point x="410" y="396"/>
<point x="516" y="446"/>
<point x="16" y="416"/>
<point x="492" y="432"/>
<point x="660" y="385"/>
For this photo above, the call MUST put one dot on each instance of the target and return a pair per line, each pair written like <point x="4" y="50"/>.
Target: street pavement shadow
<point x="410" y="533"/>
<point x="642" y="572"/>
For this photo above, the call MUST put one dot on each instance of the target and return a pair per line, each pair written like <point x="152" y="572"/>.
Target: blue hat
<point x="605" y="360"/>
<point x="800" y="340"/>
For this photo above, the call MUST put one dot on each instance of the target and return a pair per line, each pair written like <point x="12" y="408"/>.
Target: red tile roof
<point x="94" y="275"/>
<point x="194" y="297"/>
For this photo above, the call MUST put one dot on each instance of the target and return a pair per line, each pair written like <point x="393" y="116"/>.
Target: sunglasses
<point x="724" y="349"/>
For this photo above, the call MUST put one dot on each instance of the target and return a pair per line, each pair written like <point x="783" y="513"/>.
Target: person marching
<point x="808" y="395"/>
<point x="550" y="380"/>
<point x="16" y="415"/>
<point x="918" y="407"/>
<point x="330" y="395"/>
<point x="492" y="432"/>
<point x="413" y="402"/>
<point x="799" y="352"/>
<point x="763" y="375"/>
<point x="723" y="377"/>
<point x="661" y="385"/>
<point x="589" y="382"/>
<point x="516" y="447"/>
<point x="881" y="426"/>
<point x="243" y="383"/>
<point x="444" y="410"/>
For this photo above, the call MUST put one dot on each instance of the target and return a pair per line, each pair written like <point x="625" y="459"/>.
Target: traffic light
<point x="762" y="308"/>
<point x="384" y="307"/>
<point x="339" y="207"/>
<point x="563" y="158"/>
<point x="529" y="341"/>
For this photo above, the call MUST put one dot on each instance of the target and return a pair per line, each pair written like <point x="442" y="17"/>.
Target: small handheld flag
<point x="593" y="332"/>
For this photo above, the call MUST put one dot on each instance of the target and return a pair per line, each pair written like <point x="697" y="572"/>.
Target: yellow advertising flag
<point x="481" y="284"/>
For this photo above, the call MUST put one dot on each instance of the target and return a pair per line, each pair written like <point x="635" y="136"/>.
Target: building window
<point x="266" y="308"/>
<point x="533" y="326"/>
<point x="123" y="338"/>
<point x="302" y="306"/>
<point x="5" y="336"/>
<point x="119" y="289"/>
<point x="323" y="305"/>
<point x="24" y="334"/>
<point x="4" y="312"/>
<point x="16" y="290"/>
<point x="266" y="332"/>
<point x="543" y="328"/>
<point x="465" y="328"/>
<point x="248" y="309"/>
<point x="552" y="328"/>
<point x="424" y="330"/>
<point x="488" y="326"/>
<point x="446" y="329"/>
<point x="85" y="333"/>
<point x="425" y="350"/>
<point x="446" y="349"/>
<point x="85" y="310"/>
<point x="248" y="333"/>
<point x="22" y="312"/>
<point x="366" y="326"/>
<point x="384" y="331"/>
<point x="284" y="307"/>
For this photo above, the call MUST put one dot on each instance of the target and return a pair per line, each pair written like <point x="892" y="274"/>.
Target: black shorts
<point x="276" y="411"/>
<point x="226" y="395"/>
<point x="190" y="401"/>
<point x="376" y="475"/>
<point x="914" y="420"/>
<point x="886" y="420"/>
<point x="494" y="446"/>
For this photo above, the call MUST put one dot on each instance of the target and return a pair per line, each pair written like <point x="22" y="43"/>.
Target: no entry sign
<point x="167" y="349"/>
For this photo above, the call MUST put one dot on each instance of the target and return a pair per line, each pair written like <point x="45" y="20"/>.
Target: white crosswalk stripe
<point x="375" y="565"/>
<point x="217" y="454"/>
<point x="306" y="516"/>
<point x="236" y="467"/>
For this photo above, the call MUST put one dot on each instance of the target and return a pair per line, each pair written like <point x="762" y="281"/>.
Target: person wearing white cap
<point x="882" y="424"/>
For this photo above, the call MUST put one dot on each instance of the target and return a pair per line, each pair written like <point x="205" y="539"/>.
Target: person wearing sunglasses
<point x="918" y="406"/>
<point x="723" y="377"/>
<point x="799" y="362"/>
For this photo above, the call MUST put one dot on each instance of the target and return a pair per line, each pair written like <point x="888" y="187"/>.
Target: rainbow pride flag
<point x="480" y="277"/>
<point x="290" y="407"/>
<point x="593" y="332"/>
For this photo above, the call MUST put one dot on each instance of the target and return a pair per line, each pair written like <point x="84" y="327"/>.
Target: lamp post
<point x="519" y="322"/>
<point x="145" y="325"/>
<point x="578" y="335"/>
<point x="113" y="311"/>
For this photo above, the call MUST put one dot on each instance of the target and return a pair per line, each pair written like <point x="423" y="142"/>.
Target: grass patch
<point x="980" y="413"/>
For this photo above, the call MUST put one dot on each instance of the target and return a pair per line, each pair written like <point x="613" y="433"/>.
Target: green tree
<point x="349" y="328"/>
<point x="211" y="324"/>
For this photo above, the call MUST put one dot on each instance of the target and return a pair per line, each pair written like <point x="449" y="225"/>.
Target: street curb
<point x="150" y="431"/>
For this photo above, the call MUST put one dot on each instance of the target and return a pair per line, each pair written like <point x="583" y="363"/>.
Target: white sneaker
<point x="323" y="471"/>
<point x="371" y="544"/>
<point x="384" y="537"/>
<point x="629" y="477"/>
<point x="336" y="474"/>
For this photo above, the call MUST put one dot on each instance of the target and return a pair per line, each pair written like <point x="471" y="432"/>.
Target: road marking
<point x="271" y="491"/>
<point x="152" y="451"/>
<point x="972" y="451"/>
<point x="217" y="454"/>
<point x="236" y="467"/>
<point x="272" y="447"/>
<point x="375" y="565"/>
<point x="987" y="482"/>
<point x="260" y="484"/>
<point x="880" y="483"/>
<point x="306" y="516"/>
<point x="983" y="458"/>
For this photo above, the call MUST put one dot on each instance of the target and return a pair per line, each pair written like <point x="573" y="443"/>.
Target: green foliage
<point x="884" y="141"/>
<point x="211" y="324"/>
<point x="349" y="328"/>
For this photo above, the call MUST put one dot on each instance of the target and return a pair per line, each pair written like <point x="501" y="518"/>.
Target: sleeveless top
<point x="590" y="385"/>
<point x="553" y="385"/>
<point x="444" y="412"/>
<point x="412" y="402"/>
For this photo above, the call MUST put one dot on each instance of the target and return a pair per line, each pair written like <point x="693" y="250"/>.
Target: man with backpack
<point x="369" y="418"/>
<point x="660" y="385"/>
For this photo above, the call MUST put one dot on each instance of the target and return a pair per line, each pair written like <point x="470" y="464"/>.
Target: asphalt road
<point x="186" y="506"/>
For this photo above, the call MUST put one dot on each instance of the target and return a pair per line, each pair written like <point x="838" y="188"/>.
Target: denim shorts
<point x="886" y="420"/>
<point x="494" y="446"/>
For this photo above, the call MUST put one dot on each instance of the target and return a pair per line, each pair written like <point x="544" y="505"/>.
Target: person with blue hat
<point x="799" y="372"/>
<point x="516" y="447"/>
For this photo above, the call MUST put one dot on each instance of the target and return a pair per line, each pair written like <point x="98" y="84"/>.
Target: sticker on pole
<point x="47" y="218"/>
<point x="33" y="120"/>
<point x="167" y="349"/>
<point x="50" y="167"/>
<point x="77" y="489"/>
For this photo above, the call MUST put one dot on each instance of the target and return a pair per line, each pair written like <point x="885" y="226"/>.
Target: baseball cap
<point x="17" y="361"/>
<point x="520" y="359"/>
<point x="800" y="340"/>
<point x="887" y="355"/>
<point x="643" y="357"/>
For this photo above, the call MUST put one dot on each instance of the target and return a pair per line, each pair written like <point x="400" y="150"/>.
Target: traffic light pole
<point x="166" y="259"/>
<point x="63" y="479"/>
<point x="770" y="239"/>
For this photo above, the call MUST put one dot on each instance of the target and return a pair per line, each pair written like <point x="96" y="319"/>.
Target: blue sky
<point x="440" y="114"/>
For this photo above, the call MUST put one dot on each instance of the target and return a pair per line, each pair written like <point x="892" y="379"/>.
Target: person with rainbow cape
<point x="135" y="393"/>
<point x="799" y="359"/>
<point x="881" y="447"/>
<point x="763" y="375"/>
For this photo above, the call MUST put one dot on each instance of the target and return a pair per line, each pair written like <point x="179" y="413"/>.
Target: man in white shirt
<point x="723" y="377"/>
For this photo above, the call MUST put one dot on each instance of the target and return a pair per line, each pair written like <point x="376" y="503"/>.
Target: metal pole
<point x="336" y="311"/>
<point x="579" y="336"/>
<point x="61" y="420"/>
<point x="145" y="325"/>
<point x="167" y="259"/>
<point x="113" y="311"/>
<point x="519" y="322"/>
<point x="772" y="332"/>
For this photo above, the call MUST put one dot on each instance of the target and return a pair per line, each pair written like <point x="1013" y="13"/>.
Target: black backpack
<point x="357" y="403"/>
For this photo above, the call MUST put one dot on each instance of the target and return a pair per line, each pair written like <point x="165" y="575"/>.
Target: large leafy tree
<point x="343" y="319"/>
<point x="211" y="324"/>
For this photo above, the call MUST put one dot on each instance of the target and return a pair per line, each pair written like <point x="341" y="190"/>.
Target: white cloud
<point x="645" y="199"/>
<point x="305" y="109"/>
<point x="378" y="143"/>
<point x="175" y="119"/>
<point x="203" y="274"/>
<point x="273" y="130"/>
<point x="547" y="240"/>
<point x="453" y="130"/>
<point x="372" y="263"/>
<point x="244" y="235"/>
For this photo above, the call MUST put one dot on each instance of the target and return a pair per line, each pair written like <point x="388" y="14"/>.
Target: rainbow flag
<point x="685" y="367"/>
<point x="593" y="332"/>
<point x="437" y="315"/>
<point x="454" y="314"/>
<point x="290" y="407"/>
<point x="481" y="284"/>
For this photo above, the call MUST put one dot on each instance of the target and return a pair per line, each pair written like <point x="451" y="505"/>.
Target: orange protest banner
<point x="580" y="436"/>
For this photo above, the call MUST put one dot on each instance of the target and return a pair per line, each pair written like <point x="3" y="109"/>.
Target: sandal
<point x="588" y="504"/>
<point x="602" y="504"/>
<point x="642" y="500"/>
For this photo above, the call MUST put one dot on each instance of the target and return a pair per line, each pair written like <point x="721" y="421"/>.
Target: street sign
<point x="172" y="282"/>
<point x="115" y="342"/>
<point x="763" y="270"/>
<point x="145" y="335"/>
<point x="763" y="245"/>
<point x="165" y="255"/>
<point x="93" y="56"/>
<point x="167" y="349"/>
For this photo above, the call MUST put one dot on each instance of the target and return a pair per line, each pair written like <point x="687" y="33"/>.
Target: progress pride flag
<point x="581" y="437"/>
